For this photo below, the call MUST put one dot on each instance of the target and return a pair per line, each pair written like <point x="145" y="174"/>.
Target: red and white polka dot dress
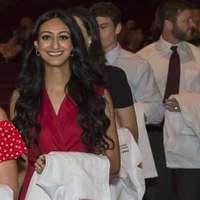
<point x="11" y="143"/>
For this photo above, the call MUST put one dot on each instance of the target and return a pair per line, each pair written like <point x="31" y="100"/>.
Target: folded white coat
<point x="182" y="132"/>
<point x="71" y="176"/>
<point x="148" y="163"/>
<point x="6" y="193"/>
<point x="129" y="185"/>
<point x="80" y="176"/>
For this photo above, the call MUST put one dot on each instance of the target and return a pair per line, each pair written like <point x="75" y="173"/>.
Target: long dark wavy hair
<point x="85" y="76"/>
<point x="95" y="49"/>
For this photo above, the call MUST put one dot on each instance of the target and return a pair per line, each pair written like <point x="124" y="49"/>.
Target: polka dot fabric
<point x="11" y="143"/>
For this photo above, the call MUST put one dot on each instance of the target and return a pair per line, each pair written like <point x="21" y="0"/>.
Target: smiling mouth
<point x="57" y="53"/>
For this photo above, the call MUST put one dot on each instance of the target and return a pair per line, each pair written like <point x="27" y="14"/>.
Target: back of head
<point x="26" y="22"/>
<point x="95" y="48"/>
<point x="107" y="9"/>
<point x="131" y="24"/>
<point x="168" y="10"/>
<point x="87" y="19"/>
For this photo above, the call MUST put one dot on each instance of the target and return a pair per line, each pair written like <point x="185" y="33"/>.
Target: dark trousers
<point x="171" y="184"/>
<point x="159" y="188"/>
<point x="187" y="184"/>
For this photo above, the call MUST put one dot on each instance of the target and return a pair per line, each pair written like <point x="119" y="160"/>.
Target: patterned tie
<point x="173" y="77"/>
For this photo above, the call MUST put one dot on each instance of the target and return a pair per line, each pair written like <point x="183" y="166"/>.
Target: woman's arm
<point x="13" y="101"/>
<point x="113" y="154"/>
<point x="126" y="117"/>
<point x="9" y="175"/>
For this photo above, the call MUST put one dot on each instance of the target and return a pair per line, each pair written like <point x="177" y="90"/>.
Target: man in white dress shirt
<point x="139" y="73"/>
<point x="181" y="141"/>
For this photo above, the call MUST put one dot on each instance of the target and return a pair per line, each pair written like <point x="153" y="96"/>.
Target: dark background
<point x="142" y="11"/>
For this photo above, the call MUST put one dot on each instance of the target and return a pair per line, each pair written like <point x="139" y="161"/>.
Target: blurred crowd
<point x="132" y="37"/>
<point x="12" y="50"/>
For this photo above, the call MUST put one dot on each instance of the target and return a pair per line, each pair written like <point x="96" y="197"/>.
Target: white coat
<point x="6" y="193"/>
<point x="129" y="185"/>
<point x="71" y="176"/>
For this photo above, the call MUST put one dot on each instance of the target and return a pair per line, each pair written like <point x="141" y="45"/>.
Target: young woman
<point x="11" y="147"/>
<point x="115" y="77"/>
<point x="60" y="102"/>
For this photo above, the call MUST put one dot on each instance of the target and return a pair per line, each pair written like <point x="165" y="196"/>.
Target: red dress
<point x="59" y="132"/>
<point x="11" y="143"/>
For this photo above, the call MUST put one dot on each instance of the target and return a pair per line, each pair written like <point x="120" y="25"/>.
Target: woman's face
<point x="54" y="42"/>
<point x="83" y="31"/>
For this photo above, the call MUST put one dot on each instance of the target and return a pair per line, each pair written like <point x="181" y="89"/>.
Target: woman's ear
<point x="36" y="45"/>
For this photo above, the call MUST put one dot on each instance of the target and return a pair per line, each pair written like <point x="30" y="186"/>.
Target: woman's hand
<point x="40" y="164"/>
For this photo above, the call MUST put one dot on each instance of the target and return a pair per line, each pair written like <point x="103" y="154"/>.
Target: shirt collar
<point x="165" y="47"/>
<point x="112" y="55"/>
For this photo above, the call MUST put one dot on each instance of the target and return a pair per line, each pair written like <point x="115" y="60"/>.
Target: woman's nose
<point x="55" y="43"/>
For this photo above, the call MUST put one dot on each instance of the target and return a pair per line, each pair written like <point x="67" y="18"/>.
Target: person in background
<point x="154" y="34"/>
<point x="132" y="41"/>
<point x="60" y="102"/>
<point x="115" y="77"/>
<point x="145" y="93"/>
<point x="139" y="73"/>
<point x="11" y="148"/>
<point x="13" y="49"/>
<point x="196" y="30"/>
<point x="131" y="37"/>
<point x="181" y="139"/>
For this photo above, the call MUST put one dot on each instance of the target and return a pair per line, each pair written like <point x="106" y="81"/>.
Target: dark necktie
<point x="173" y="77"/>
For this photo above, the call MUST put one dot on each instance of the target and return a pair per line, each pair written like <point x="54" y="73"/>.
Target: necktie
<point x="173" y="77"/>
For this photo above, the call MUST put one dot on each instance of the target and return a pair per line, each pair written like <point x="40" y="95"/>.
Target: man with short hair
<point x="139" y="73"/>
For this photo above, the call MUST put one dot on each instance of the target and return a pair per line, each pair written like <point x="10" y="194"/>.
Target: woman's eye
<point x="64" y="37"/>
<point x="46" y="37"/>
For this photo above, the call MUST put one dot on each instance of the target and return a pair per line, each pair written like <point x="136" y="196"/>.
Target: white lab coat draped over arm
<point x="190" y="109"/>
<point x="129" y="185"/>
<point x="182" y="132"/>
<point x="71" y="176"/>
<point x="148" y="163"/>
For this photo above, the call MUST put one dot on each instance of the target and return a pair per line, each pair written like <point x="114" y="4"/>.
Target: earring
<point x="72" y="53"/>
<point x="37" y="52"/>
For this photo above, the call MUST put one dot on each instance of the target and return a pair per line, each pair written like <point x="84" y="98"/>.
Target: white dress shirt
<point x="158" y="54"/>
<point x="141" y="80"/>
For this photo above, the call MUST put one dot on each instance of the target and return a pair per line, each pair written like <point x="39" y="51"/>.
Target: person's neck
<point x="56" y="78"/>
<point x="170" y="38"/>
<point x="110" y="48"/>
